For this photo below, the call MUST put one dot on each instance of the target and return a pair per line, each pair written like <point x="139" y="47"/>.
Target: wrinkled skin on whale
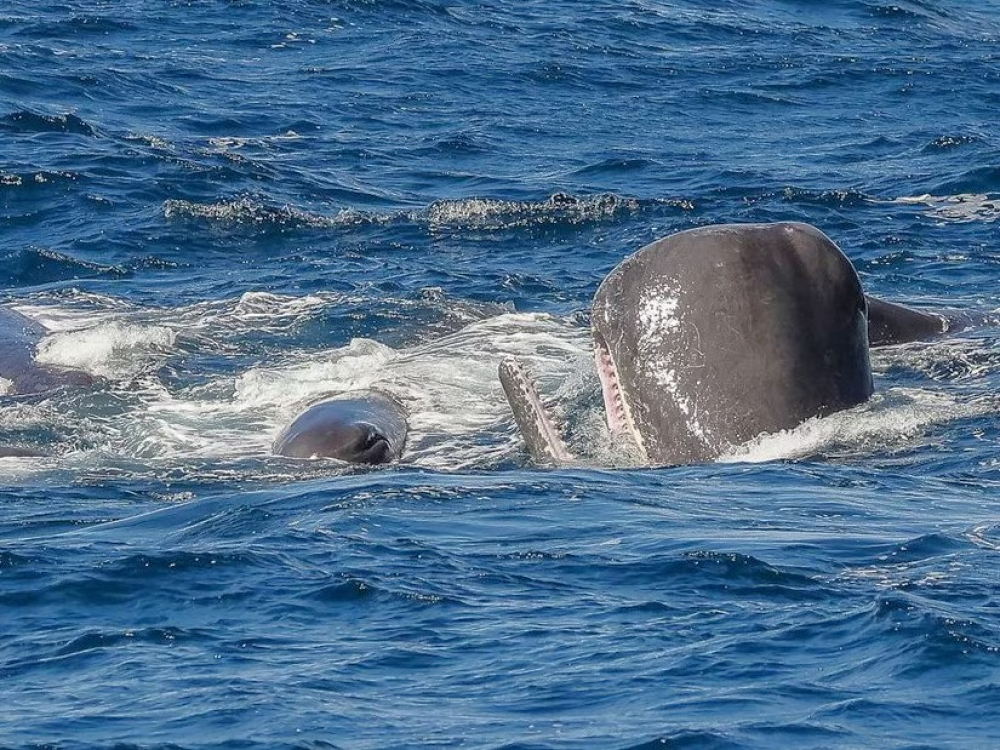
<point x="710" y="337"/>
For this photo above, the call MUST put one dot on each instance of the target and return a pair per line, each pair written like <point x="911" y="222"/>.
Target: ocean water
<point x="226" y="208"/>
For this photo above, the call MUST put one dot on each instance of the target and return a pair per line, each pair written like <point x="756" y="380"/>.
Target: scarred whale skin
<point x="710" y="337"/>
<point x="713" y="336"/>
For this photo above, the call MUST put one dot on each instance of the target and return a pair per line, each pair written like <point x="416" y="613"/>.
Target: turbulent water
<point x="226" y="209"/>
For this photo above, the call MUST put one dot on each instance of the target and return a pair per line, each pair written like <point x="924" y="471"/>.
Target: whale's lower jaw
<point x="538" y="429"/>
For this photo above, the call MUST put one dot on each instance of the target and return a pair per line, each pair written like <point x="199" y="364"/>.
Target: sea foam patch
<point x="961" y="207"/>
<point x="891" y="420"/>
<point x="114" y="350"/>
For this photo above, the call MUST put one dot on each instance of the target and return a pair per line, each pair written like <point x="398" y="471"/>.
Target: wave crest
<point x="494" y="214"/>
<point x="26" y="121"/>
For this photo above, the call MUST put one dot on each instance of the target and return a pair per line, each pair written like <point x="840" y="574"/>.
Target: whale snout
<point x="369" y="446"/>
<point x="359" y="428"/>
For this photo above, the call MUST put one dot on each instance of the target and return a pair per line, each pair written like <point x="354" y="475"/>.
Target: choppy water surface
<point x="227" y="209"/>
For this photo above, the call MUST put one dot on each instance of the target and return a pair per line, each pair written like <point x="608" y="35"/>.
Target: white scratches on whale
<point x="663" y="349"/>
<point x="658" y="315"/>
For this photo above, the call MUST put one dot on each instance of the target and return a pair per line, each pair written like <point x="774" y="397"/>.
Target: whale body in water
<point x="361" y="427"/>
<point x="710" y="337"/>
<point x="20" y="374"/>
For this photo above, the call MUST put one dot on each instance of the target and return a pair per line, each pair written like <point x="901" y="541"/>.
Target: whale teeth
<point x="619" y="416"/>
<point x="533" y="420"/>
<point x="613" y="402"/>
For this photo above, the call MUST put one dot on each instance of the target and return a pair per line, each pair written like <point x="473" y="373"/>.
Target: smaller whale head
<point x="359" y="428"/>
<point x="357" y="443"/>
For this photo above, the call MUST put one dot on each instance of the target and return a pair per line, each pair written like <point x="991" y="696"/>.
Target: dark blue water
<point x="225" y="209"/>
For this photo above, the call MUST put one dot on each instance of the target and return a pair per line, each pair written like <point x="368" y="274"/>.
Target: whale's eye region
<point x="363" y="428"/>
<point x="371" y="447"/>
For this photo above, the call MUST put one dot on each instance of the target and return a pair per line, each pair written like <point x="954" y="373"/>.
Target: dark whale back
<point x="19" y="337"/>
<point x="720" y="334"/>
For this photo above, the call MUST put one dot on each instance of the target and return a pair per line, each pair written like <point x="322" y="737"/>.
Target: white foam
<point x="356" y="366"/>
<point x="457" y="411"/>
<point x="113" y="350"/>
<point x="57" y="319"/>
<point x="247" y="211"/>
<point x="227" y="143"/>
<point x="890" y="420"/>
<point x="458" y="415"/>
<point x="491" y="213"/>
<point x="961" y="207"/>
<point x="452" y="391"/>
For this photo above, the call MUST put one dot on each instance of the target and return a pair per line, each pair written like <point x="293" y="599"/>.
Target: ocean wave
<point x="113" y="350"/>
<point x="619" y="166"/>
<point x="496" y="214"/>
<point x="966" y="361"/>
<point x="962" y="207"/>
<point x="986" y="536"/>
<point x="843" y="198"/>
<point x="81" y="25"/>
<point x="26" y="121"/>
<point x="933" y="634"/>
<point x="692" y="738"/>
<point x="38" y="266"/>
<point x="35" y="179"/>
<point x="227" y="143"/>
<point x="734" y="573"/>
<point x="948" y="142"/>
<point x="251" y="212"/>
<point x="489" y="214"/>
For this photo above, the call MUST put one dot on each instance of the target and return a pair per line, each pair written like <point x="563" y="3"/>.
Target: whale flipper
<point x="537" y="428"/>
<point x="364" y="427"/>
<point x="890" y="323"/>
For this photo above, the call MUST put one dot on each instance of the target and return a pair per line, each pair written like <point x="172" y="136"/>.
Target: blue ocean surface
<point x="224" y="209"/>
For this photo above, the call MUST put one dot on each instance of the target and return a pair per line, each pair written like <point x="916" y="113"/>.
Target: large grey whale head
<point x="710" y="337"/>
